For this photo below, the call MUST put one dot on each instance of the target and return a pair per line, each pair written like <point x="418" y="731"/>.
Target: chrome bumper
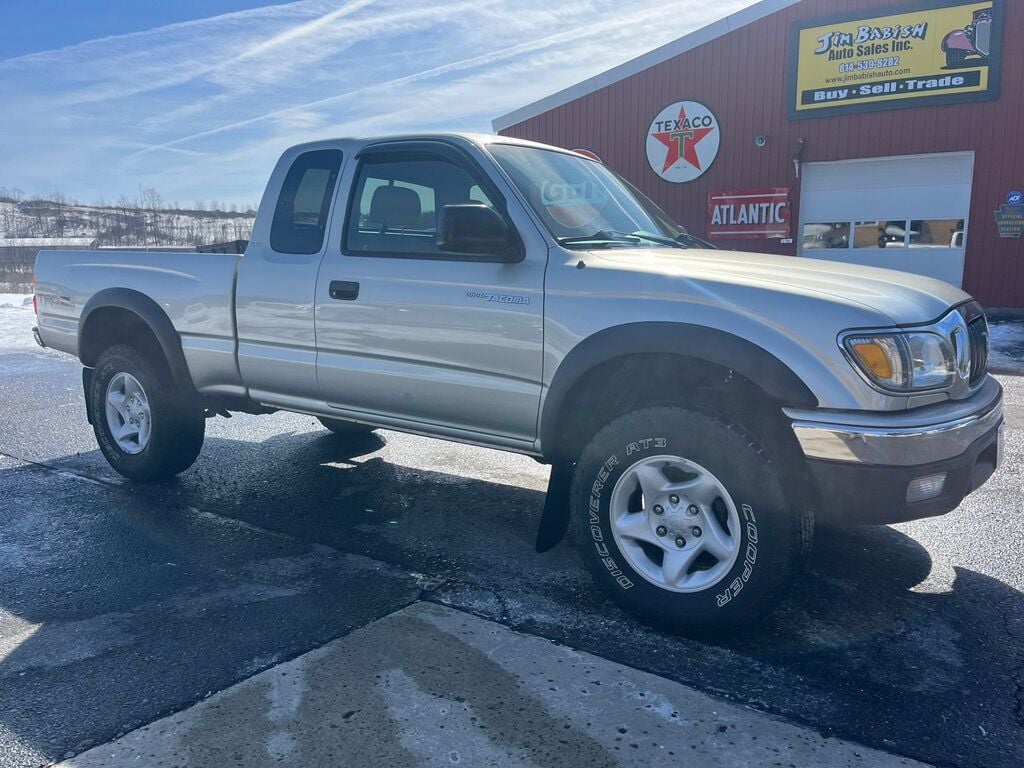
<point x="902" y="438"/>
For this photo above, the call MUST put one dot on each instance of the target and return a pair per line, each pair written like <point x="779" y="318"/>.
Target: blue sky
<point x="197" y="98"/>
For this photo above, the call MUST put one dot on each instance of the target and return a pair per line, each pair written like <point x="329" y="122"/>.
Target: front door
<point x="410" y="335"/>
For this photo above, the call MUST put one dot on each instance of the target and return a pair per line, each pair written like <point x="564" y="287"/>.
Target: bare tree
<point x="59" y="215"/>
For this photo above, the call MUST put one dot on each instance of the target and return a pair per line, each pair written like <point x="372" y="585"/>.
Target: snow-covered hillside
<point x="124" y="224"/>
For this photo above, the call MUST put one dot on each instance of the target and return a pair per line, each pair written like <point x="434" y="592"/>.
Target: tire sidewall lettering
<point x="749" y="523"/>
<point x="593" y="509"/>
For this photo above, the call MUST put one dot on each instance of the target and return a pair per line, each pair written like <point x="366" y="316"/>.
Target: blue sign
<point x="1015" y="198"/>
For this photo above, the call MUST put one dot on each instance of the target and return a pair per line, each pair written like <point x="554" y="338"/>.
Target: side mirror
<point x="475" y="229"/>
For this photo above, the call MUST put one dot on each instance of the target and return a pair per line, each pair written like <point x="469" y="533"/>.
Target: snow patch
<point x="1007" y="341"/>
<point x="19" y="353"/>
<point x="16" y="321"/>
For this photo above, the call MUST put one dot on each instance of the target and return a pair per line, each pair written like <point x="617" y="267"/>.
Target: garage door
<point x="906" y="213"/>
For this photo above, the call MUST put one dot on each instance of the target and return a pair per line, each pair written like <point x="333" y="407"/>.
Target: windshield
<point x="585" y="205"/>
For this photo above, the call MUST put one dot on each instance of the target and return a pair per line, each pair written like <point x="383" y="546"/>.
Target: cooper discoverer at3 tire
<point x="147" y="431"/>
<point x="682" y="520"/>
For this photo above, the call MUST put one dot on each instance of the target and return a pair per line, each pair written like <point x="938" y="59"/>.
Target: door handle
<point x="343" y="290"/>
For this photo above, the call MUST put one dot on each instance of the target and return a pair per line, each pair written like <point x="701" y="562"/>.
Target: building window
<point x="890" y="233"/>
<point x="826" y="235"/>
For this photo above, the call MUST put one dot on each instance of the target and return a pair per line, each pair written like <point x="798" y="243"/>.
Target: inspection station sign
<point x="1010" y="220"/>
<point x="749" y="214"/>
<point x="930" y="53"/>
<point x="683" y="141"/>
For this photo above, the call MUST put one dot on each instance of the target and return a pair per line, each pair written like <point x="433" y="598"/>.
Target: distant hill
<point x="26" y="226"/>
<point x="126" y="223"/>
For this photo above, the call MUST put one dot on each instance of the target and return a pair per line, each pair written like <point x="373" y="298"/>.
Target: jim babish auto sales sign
<point x="928" y="53"/>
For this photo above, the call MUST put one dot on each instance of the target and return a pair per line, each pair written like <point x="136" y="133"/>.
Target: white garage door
<point x="907" y="213"/>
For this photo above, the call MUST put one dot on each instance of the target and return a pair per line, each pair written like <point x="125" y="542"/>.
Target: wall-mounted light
<point x="761" y="142"/>
<point x="798" y="150"/>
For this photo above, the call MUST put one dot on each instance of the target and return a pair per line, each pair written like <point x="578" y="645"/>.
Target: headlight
<point x="906" y="361"/>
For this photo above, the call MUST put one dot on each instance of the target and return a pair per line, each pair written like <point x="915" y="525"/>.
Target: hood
<point x="903" y="298"/>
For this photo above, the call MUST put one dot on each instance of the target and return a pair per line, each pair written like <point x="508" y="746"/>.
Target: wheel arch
<point x="716" y="349"/>
<point x="123" y="315"/>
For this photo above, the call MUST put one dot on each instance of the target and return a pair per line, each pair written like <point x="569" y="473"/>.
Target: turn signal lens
<point x="882" y="358"/>
<point x="874" y="359"/>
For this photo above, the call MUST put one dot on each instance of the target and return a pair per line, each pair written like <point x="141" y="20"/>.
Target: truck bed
<point x="194" y="290"/>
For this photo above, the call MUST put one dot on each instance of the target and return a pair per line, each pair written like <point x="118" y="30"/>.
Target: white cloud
<point x="201" y="109"/>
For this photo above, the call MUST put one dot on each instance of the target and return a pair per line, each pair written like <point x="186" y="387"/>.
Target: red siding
<point x="742" y="77"/>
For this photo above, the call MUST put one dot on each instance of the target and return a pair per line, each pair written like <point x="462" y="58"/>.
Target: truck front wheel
<point x="682" y="519"/>
<point x="147" y="431"/>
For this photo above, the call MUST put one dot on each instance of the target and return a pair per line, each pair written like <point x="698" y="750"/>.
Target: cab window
<point x="304" y="205"/>
<point x="398" y="199"/>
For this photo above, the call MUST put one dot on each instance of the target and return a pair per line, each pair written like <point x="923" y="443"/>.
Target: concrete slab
<point x="431" y="686"/>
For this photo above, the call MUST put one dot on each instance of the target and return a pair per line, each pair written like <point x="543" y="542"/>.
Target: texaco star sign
<point x="683" y="141"/>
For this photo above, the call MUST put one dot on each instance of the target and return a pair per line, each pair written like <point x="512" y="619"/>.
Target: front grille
<point x="977" y="332"/>
<point x="983" y="36"/>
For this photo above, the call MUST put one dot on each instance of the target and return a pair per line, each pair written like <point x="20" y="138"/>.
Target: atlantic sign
<point x="749" y="214"/>
<point x="683" y="141"/>
<point x="939" y="53"/>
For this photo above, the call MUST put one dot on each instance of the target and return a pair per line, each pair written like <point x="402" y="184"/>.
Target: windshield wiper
<point x="674" y="242"/>
<point x="633" y="238"/>
<point x="687" y="240"/>
<point x="601" y="236"/>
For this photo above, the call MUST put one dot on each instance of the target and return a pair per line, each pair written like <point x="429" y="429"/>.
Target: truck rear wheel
<point x="147" y="431"/>
<point x="682" y="519"/>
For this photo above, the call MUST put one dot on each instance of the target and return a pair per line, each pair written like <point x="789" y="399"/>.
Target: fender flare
<point x="755" y="363"/>
<point x="154" y="316"/>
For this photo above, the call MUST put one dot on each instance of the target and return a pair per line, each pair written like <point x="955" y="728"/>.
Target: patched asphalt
<point x="430" y="686"/>
<point x="909" y="639"/>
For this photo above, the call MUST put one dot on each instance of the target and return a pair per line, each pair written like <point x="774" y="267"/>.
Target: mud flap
<point x="555" y="520"/>
<point x="86" y="386"/>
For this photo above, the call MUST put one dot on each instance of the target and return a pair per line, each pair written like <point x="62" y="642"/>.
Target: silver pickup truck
<point x="700" y="408"/>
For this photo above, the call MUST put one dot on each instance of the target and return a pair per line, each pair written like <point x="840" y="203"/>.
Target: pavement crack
<point x="62" y="471"/>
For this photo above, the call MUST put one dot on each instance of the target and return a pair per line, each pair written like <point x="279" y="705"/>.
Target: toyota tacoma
<point x="699" y="408"/>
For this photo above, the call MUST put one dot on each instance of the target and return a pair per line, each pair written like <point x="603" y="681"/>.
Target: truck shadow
<point x="875" y="641"/>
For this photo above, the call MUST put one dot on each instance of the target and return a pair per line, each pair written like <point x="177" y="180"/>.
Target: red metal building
<point x="869" y="131"/>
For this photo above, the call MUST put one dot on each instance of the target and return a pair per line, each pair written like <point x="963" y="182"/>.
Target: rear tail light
<point x="35" y="301"/>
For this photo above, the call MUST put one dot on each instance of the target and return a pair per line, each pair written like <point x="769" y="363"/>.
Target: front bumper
<point x="864" y="464"/>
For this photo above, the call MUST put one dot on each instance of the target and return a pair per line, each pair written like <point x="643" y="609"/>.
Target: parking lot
<point x="122" y="604"/>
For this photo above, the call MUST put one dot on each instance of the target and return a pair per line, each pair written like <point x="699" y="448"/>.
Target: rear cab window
<point x="304" y="204"/>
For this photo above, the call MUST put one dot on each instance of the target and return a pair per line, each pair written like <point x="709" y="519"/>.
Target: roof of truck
<point x="467" y="136"/>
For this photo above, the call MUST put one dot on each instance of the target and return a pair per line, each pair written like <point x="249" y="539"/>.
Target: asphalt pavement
<point x="121" y="604"/>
